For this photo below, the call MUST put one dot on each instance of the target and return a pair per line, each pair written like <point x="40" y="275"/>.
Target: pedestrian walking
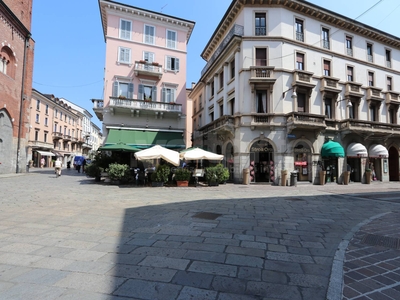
<point x="57" y="167"/>
<point x="42" y="162"/>
<point x="78" y="165"/>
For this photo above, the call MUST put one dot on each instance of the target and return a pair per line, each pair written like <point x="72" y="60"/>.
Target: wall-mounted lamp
<point x="349" y="104"/>
<point x="294" y="94"/>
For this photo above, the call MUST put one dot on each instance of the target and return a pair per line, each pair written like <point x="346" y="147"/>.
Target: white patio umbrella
<point x="198" y="153"/>
<point x="157" y="152"/>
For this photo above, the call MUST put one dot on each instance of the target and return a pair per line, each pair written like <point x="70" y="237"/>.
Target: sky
<point x="70" y="48"/>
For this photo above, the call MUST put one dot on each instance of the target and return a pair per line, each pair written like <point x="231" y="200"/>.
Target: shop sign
<point x="300" y="163"/>
<point x="301" y="150"/>
<point x="261" y="149"/>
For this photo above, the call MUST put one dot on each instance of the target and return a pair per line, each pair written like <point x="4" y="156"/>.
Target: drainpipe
<point x="27" y="38"/>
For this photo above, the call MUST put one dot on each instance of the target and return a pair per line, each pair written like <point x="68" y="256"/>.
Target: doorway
<point x="393" y="164"/>
<point x="262" y="166"/>
<point x="355" y="166"/>
<point x="331" y="168"/>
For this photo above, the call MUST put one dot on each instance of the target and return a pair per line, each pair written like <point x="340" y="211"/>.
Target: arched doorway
<point x="6" y="142"/>
<point x="393" y="164"/>
<point x="262" y="165"/>
<point x="302" y="161"/>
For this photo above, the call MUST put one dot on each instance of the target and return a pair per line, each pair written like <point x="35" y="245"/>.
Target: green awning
<point x="332" y="149"/>
<point x="142" y="139"/>
<point x="119" y="147"/>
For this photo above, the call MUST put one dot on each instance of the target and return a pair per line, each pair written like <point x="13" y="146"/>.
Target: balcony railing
<point x="237" y="30"/>
<point x="294" y="117"/>
<point x="147" y="68"/>
<point x="349" y="51"/>
<point x="370" y="58"/>
<point x="262" y="72"/>
<point x="67" y="137"/>
<point x="142" y="104"/>
<point x="224" y="123"/>
<point x="300" y="36"/>
<point x="57" y="135"/>
<point x="261" y="31"/>
<point x="326" y="44"/>
<point x="368" y="126"/>
<point x="98" y="103"/>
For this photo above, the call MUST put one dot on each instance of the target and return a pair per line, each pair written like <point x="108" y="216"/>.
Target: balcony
<point x="57" y="135"/>
<point x="302" y="78"/>
<point x="144" y="68"/>
<point x="261" y="76"/>
<point x="305" y="122"/>
<point x="374" y="94"/>
<point x="222" y="126"/>
<point x="98" y="105"/>
<point x="392" y="98"/>
<point x="74" y="140"/>
<point x="369" y="130"/>
<point x="66" y="138"/>
<point x="353" y="89"/>
<point x="135" y="106"/>
<point x="330" y="85"/>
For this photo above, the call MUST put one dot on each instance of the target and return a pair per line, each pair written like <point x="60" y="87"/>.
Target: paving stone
<point x="230" y="285"/>
<point x="25" y="291"/>
<point x="142" y="272"/>
<point x="248" y="273"/>
<point x="274" y="277"/>
<point x="193" y="279"/>
<point x="213" y="268"/>
<point x="165" y="262"/>
<point x="289" y="257"/>
<point x="144" y="251"/>
<point x="245" y="251"/>
<point x="283" y="266"/>
<point x="270" y="290"/>
<point x="243" y="260"/>
<point x="204" y="247"/>
<point x="307" y="280"/>
<point x="228" y="296"/>
<point x="89" y="267"/>
<point x="41" y="277"/>
<point x="205" y="256"/>
<point x="148" y="290"/>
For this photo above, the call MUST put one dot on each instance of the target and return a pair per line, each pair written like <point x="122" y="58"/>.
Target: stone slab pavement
<point x="72" y="238"/>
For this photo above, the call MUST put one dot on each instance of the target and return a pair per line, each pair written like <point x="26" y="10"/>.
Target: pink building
<point x="145" y="96"/>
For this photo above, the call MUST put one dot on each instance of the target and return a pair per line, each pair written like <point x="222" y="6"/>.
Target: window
<point x="149" y="33"/>
<point x="65" y="118"/>
<point x="325" y="38"/>
<point x="7" y="61"/>
<point x="299" y="30"/>
<point x="47" y="109"/>
<point x="147" y="92"/>
<point x="123" y="89"/>
<point x="392" y="116"/>
<point x="301" y="102"/>
<point x="212" y="88"/>
<point x="350" y="73"/>
<point x="55" y="127"/>
<point x="221" y="80"/>
<point x="37" y="104"/>
<point x="389" y="83"/>
<point x="369" y="53"/>
<point x="349" y="45"/>
<point x="46" y="121"/>
<point x="232" y="67"/>
<point x="61" y="115"/>
<point x="370" y="79"/>
<point x="373" y="113"/>
<point x="194" y="107"/>
<point x="171" y="39"/>
<point x="172" y="63"/>
<point x="388" y="59"/>
<point x="124" y="55"/>
<point x="221" y="109"/>
<point x="200" y="102"/>
<point x="232" y="106"/>
<point x="56" y="113"/>
<point x="328" y="108"/>
<point x="125" y="29"/>
<point x="299" y="61"/>
<point x="36" y="135"/>
<point x="69" y="120"/>
<point x="262" y="104"/>
<point x="327" y="68"/>
<point x="45" y="136"/>
<point x="261" y="56"/>
<point x="199" y="124"/>
<point x="261" y="24"/>
<point x="168" y="94"/>
<point x="65" y="130"/>
<point x="37" y="118"/>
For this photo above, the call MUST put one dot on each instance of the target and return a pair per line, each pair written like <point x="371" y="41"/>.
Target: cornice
<point x="133" y="11"/>
<point x="301" y="7"/>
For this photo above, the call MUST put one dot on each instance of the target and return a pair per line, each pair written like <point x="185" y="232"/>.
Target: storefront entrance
<point x="355" y="167"/>
<point x="262" y="166"/>
<point x="331" y="168"/>
<point x="393" y="164"/>
<point x="302" y="159"/>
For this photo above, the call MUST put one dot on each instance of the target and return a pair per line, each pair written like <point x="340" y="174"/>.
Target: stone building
<point x="291" y="86"/>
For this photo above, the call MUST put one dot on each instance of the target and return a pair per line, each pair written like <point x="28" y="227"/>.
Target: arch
<point x="7" y="61"/>
<point x="218" y="149"/>
<point x="262" y="163"/>
<point x="302" y="140"/>
<point x="6" y="142"/>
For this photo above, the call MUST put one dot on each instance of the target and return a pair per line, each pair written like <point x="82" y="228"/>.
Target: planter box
<point x="182" y="183"/>
<point x="157" y="184"/>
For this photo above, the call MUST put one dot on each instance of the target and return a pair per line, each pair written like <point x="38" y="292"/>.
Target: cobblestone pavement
<point x="72" y="238"/>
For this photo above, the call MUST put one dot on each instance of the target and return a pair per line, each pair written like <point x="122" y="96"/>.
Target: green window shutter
<point x="140" y="92"/>
<point x="115" y="89"/>
<point x="154" y="93"/>
<point x="130" y="90"/>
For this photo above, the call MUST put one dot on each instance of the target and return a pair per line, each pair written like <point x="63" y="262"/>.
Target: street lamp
<point x="294" y="94"/>
<point x="349" y="104"/>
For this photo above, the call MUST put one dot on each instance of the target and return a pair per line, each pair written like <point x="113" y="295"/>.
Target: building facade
<point x="16" y="67"/>
<point x="55" y="130"/>
<point x="290" y="86"/>
<point x="145" y="77"/>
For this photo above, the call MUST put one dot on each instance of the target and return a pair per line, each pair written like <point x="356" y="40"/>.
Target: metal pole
<point x="21" y="104"/>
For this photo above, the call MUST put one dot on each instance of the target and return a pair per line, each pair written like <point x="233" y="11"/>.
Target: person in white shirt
<point x="58" y="166"/>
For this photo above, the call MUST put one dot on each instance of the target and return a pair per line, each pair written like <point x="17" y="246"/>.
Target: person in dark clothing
<point x="83" y="165"/>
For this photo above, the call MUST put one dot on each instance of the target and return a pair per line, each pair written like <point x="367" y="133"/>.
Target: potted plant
<point x="211" y="176"/>
<point x="322" y="174"/>
<point x="93" y="170"/>
<point x="283" y="177"/>
<point x="368" y="175"/>
<point x="222" y="173"/>
<point x="160" y="176"/>
<point x="182" y="176"/>
<point x="118" y="173"/>
<point x="121" y="97"/>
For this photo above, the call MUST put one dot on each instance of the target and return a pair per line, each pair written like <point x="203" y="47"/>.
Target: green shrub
<point x="93" y="170"/>
<point x="119" y="172"/>
<point x="161" y="174"/>
<point x="222" y="173"/>
<point x="211" y="174"/>
<point x="182" y="174"/>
